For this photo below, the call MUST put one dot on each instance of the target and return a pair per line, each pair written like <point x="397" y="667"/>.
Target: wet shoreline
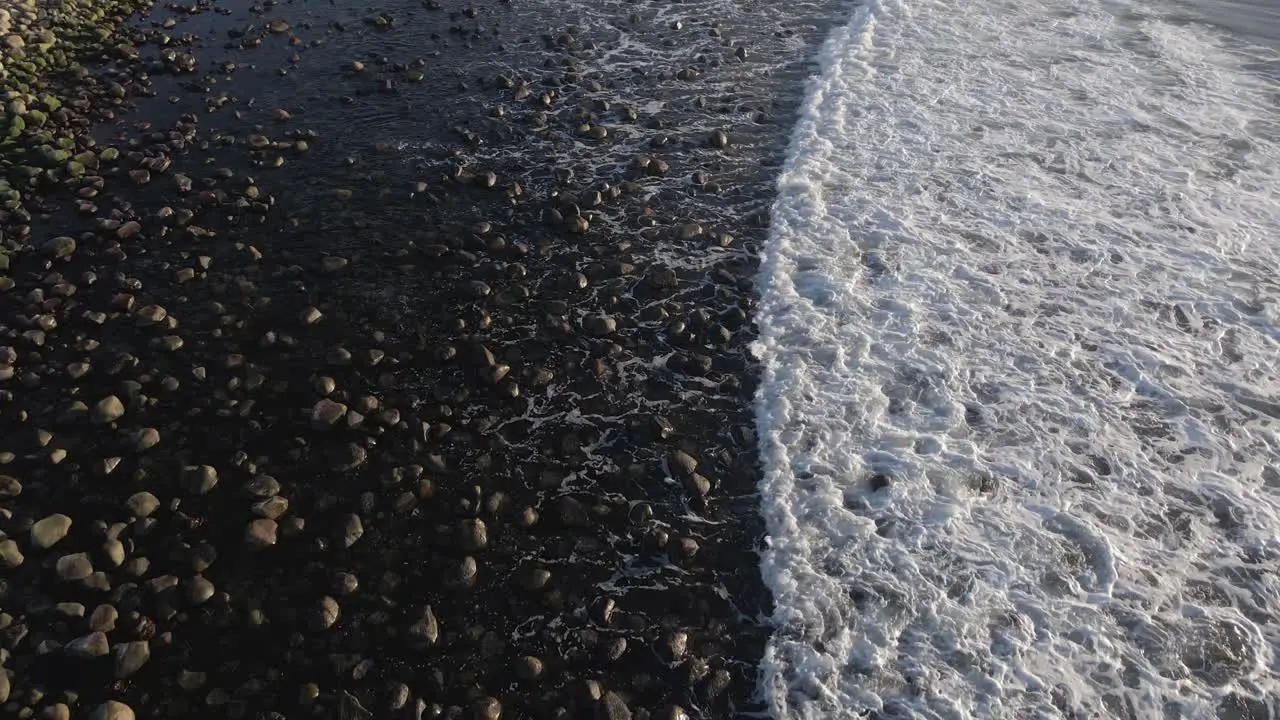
<point x="398" y="366"/>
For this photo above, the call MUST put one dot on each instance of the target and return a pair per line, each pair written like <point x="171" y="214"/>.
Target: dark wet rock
<point x="534" y="579"/>
<point x="599" y="325"/>
<point x="487" y="708"/>
<point x="352" y="529"/>
<point x="201" y="479"/>
<point x="613" y="707"/>
<point x="681" y="464"/>
<point x="347" y="456"/>
<point x="261" y="533"/>
<point x="697" y="485"/>
<point x="60" y="247"/>
<point x="474" y="535"/>
<point x="199" y="590"/>
<point x="326" y="614"/>
<point x="426" y="630"/>
<point x="130" y="657"/>
<point x="529" y="668"/>
<point x="326" y="413"/>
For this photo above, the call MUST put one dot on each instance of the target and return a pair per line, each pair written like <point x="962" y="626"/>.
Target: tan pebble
<point x="108" y="409"/>
<point x="113" y="710"/>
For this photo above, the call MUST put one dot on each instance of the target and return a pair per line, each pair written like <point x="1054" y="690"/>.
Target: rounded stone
<point x="48" y="531"/>
<point x="9" y="487"/>
<point x="327" y="613"/>
<point x="199" y="590"/>
<point x="10" y="556"/>
<point x="107" y="410"/>
<point x="488" y="708"/>
<point x="599" y="325"/>
<point x="130" y="657"/>
<point x="142" y="504"/>
<point x="474" y="534"/>
<point x="326" y="413"/>
<point x="145" y="439"/>
<point x="529" y="668"/>
<point x="113" y="710"/>
<point x="90" y="646"/>
<point x="74" y="567"/>
<point x="261" y="533"/>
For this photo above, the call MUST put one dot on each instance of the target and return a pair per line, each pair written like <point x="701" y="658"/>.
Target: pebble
<point x="202" y="479"/>
<point x="107" y="410"/>
<point x="199" y="590"/>
<point x="10" y="556"/>
<point x="327" y="613"/>
<point x="613" y="707"/>
<point x="9" y="487"/>
<point x="261" y="533"/>
<point x="103" y="618"/>
<point x="47" y="531"/>
<point x="535" y="579"/>
<point x="599" y="325"/>
<point x="114" y="551"/>
<point x="74" y="567"/>
<point x="697" y="485"/>
<point x="427" y="629"/>
<point x="474" y="535"/>
<point x="326" y="413"/>
<point x="352" y="529"/>
<point x="145" y="439"/>
<point x="467" y="571"/>
<point x="142" y="504"/>
<point x="93" y="645"/>
<point x="681" y="463"/>
<point x="349" y="457"/>
<point x="529" y="668"/>
<point x="113" y="710"/>
<point x="130" y="657"/>
<point x="60" y="247"/>
<point x="488" y="708"/>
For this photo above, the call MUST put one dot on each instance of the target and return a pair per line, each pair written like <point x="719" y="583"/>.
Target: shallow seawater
<point x="1021" y="398"/>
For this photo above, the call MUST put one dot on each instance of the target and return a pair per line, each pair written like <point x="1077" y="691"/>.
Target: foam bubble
<point x="1019" y="329"/>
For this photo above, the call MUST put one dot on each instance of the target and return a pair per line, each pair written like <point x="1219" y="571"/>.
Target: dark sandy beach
<point x="385" y="362"/>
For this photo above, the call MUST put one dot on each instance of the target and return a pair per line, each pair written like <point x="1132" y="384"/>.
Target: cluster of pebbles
<point x="290" y="429"/>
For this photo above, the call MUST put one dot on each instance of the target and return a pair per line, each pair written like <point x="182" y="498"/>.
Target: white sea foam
<point x="1024" y="278"/>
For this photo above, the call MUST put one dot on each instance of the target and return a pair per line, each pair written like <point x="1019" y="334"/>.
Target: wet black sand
<point x="399" y="363"/>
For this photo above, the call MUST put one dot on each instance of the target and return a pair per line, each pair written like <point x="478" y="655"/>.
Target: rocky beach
<point x="385" y="361"/>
